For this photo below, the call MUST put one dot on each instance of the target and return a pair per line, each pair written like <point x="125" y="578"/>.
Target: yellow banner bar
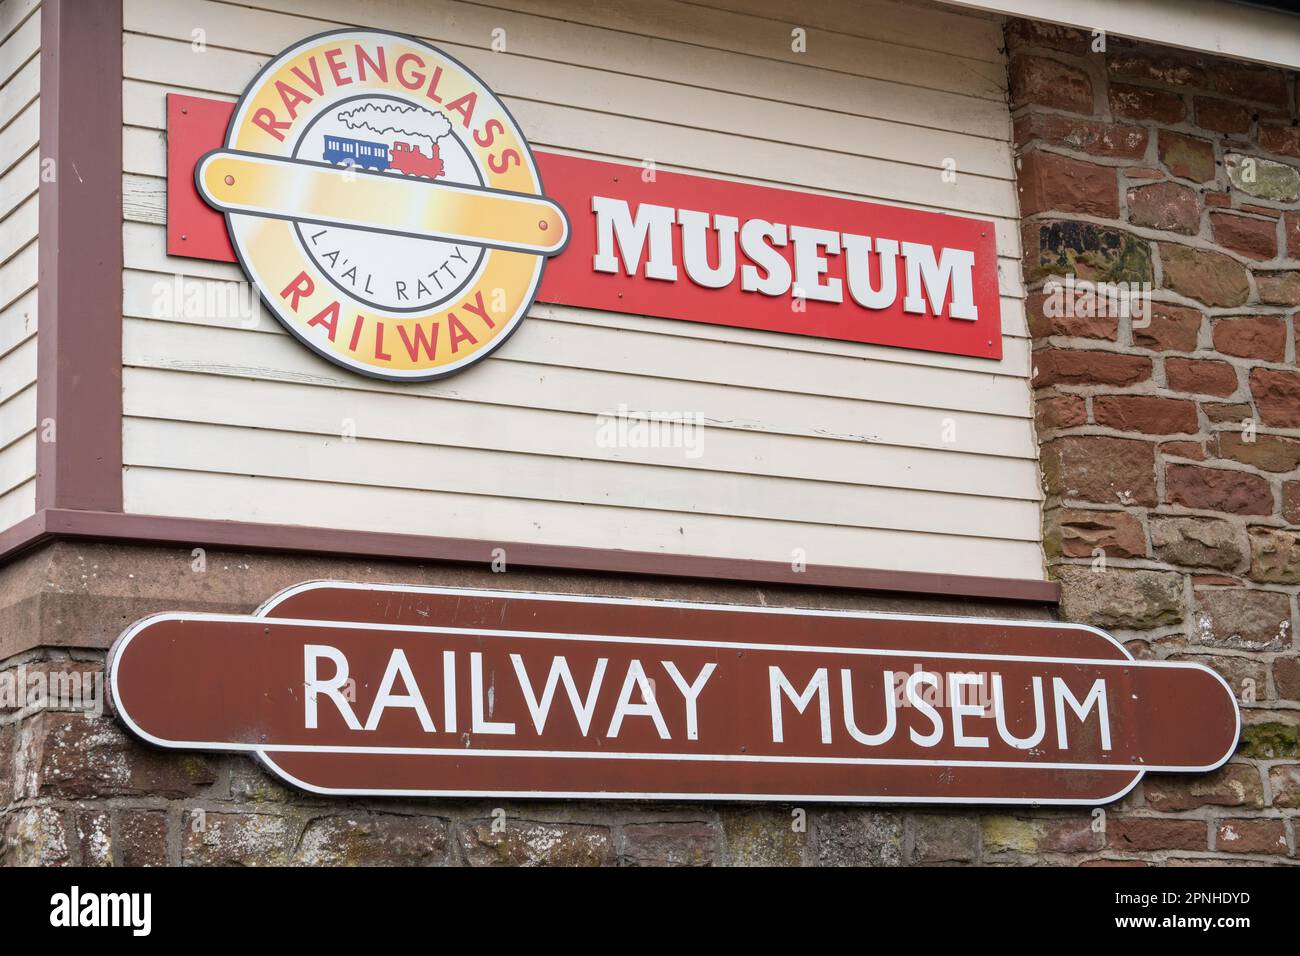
<point x="381" y="202"/>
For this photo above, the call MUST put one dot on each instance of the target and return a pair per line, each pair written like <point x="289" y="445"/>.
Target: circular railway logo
<point x="385" y="204"/>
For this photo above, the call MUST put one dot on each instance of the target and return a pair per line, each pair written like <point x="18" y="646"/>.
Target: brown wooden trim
<point x="23" y="535"/>
<point x="56" y="524"/>
<point x="79" y="296"/>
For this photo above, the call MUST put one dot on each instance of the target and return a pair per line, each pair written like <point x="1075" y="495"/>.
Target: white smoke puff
<point x="418" y="125"/>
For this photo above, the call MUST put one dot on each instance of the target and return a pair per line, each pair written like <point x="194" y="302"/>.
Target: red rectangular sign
<point x="761" y="258"/>
<point x="692" y="248"/>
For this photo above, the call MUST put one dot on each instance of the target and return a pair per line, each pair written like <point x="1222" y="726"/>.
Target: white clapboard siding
<point x="17" y="415"/>
<point x="18" y="370"/>
<point x="653" y="353"/>
<point x="20" y="89"/>
<point x="20" y="37"/>
<point x="14" y="15"/>
<point x="17" y="462"/>
<point x="434" y="421"/>
<point x="17" y="504"/>
<point x="596" y="91"/>
<point x="243" y="498"/>
<point x="859" y="455"/>
<point x="18" y="275"/>
<point x="18" y="322"/>
<point x="20" y="136"/>
<point x="938" y="84"/>
<point x="18" y="227"/>
<point x="20" y="75"/>
<point x="499" y="474"/>
<point x="20" y="182"/>
<point x="672" y="146"/>
<point x="1015" y="348"/>
<point x="908" y="23"/>
<point x="215" y="351"/>
<point x="864" y="55"/>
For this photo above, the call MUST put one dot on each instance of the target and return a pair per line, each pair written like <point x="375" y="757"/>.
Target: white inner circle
<point x="394" y="273"/>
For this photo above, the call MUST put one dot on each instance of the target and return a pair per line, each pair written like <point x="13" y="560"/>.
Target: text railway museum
<point x="828" y="699"/>
<point x="646" y="420"/>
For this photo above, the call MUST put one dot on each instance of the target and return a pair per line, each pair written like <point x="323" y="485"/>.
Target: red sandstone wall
<point x="1170" y="447"/>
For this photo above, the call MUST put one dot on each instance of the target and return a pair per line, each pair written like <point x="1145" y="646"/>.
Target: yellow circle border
<point x="520" y="272"/>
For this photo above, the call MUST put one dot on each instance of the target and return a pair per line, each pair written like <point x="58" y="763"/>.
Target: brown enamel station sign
<point x="424" y="691"/>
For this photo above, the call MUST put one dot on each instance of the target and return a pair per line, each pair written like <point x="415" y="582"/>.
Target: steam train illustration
<point x="403" y="158"/>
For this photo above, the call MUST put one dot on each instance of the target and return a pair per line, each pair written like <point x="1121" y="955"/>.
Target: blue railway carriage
<point x="355" y="152"/>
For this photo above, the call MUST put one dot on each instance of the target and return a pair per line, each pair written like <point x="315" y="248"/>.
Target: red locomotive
<point x="409" y="161"/>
